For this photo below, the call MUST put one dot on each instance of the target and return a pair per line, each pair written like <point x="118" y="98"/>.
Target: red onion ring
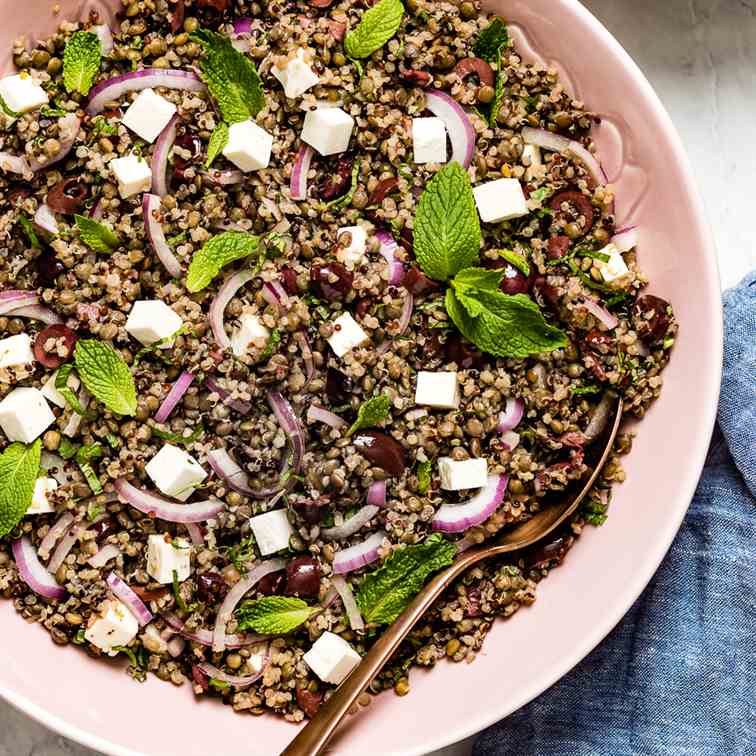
<point x="59" y="529"/>
<point x="407" y="307"/>
<point x="14" y="299"/>
<point x="299" y="173"/>
<point x="45" y="220"/>
<point x="511" y="415"/>
<point x="135" y="605"/>
<point x="14" y="164"/>
<point x="350" y="604"/>
<point x="359" y="555"/>
<point x="134" y="81"/>
<point x="64" y="548"/>
<point x="37" y="312"/>
<point x="242" y="25"/>
<point x="96" y="211"/>
<point x="569" y="147"/>
<point x="238" y="404"/>
<point x="32" y="571"/>
<point x="154" y="230"/>
<point x="355" y="523"/>
<point x="601" y="313"/>
<point x="625" y="239"/>
<point x="458" y="126"/>
<point x="223" y="178"/>
<point x="104" y="555"/>
<point x="163" y="147"/>
<point x="226" y="469"/>
<point x="72" y="426"/>
<point x="454" y="518"/>
<point x="301" y="338"/>
<point x="195" y="533"/>
<point x="170" y="511"/>
<point x="68" y="128"/>
<point x="205" y="637"/>
<point x="235" y="681"/>
<point x="275" y="295"/>
<point x="225" y="294"/>
<point x="235" y="595"/>
<point x="510" y="439"/>
<point x="105" y="36"/>
<point x="174" y="396"/>
<point x="317" y="414"/>
<point x="599" y="419"/>
<point x="388" y="250"/>
<point x="289" y="421"/>
<point x="376" y="495"/>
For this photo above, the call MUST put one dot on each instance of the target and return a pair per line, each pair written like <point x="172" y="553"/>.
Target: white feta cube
<point x="429" y="140"/>
<point x="151" y="320"/>
<point x="462" y="474"/>
<point x="296" y="76"/>
<point x="347" y="334"/>
<point x="328" y="130"/>
<point x="272" y="531"/>
<point x="114" y="625"/>
<point x="40" y="504"/>
<point x="16" y="351"/>
<point x="500" y="200"/>
<point x="175" y="472"/>
<point x="133" y="175"/>
<point x="53" y="395"/>
<point x="248" y="146"/>
<point x="437" y="389"/>
<point x="148" y="115"/>
<point x="352" y="245"/>
<point x="25" y="414"/>
<point x="331" y="658"/>
<point x="614" y="271"/>
<point x="250" y="331"/>
<point x="166" y="556"/>
<point x="21" y="94"/>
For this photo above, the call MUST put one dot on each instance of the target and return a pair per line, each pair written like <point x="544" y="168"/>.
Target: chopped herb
<point x="585" y="390"/>
<point x="539" y="195"/>
<point x="51" y="112"/>
<point x="94" y="510"/>
<point x="31" y="234"/>
<point x="241" y="554"/>
<point x="10" y="113"/>
<point x="178" y="438"/>
<point x="180" y="603"/>
<point x="346" y="199"/>
<point x="593" y="255"/>
<point x="424" y="477"/>
<point x="100" y="127"/>
<point x="273" y="341"/>
<point x="157" y="347"/>
<point x="62" y="387"/>
<point x="112" y="441"/>
<point x="137" y="666"/>
<point x="617" y="298"/>
<point x="67" y="448"/>
<point x="371" y="412"/>
<point x="218" y="684"/>
<point x="79" y="638"/>
<point x="491" y="41"/>
<point x="595" y="511"/>
<point x="177" y="239"/>
<point x="85" y="455"/>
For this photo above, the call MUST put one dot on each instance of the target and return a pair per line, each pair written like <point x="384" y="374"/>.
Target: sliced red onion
<point x="235" y="681"/>
<point x="205" y="637"/>
<point x="13" y="300"/>
<point x="154" y="229"/>
<point x="45" y="219"/>
<point x="301" y="338"/>
<point x="104" y="555"/>
<point x="570" y="147"/>
<point x="407" y="307"/>
<point x="350" y="604"/>
<point x="234" y="477"/>
<point x="458" y="126"/>
<point x="14" y="164"/>
<point x="160" y="154"/>
<point x="195" y="533"/>
<point x="238" y="404"/>
<point x="601" y="313"/>
<point x="218" y="306"/>
<point x="134" y="81"/>
<point x="275" y="295"/>
<point x="71" y="428"/>
<point x="105" y="36"/>
<point x="355" y="523"/>
<point x="242" y="25"/>
<point x="388" y="251"/>
<point x="625" y="239"/>
<point x="512" y="414"/>
<point x="37" y="312"/>
<point x="300" y="171"/>
<point x="376" y="495"/>
<point x="174" y="396"/>
<point x="454" y="518"/>
<point x="236" y="594"/>
<point x="359" y="555"/>
<point x="223" y="178"/>
<point x="33" y="572"/>
<point x="68" y="129"/>
<point x="317" y="414"/>
<point x="64" y="548"/>
<point x="59" y="529"/>
<point x="170" y="511"/>
<point x="510" y="439"/>
<point x="136" y="606"/>
<point x="96" y="211"/>
<point x="599" y="419"/>
<point x="176" y="646"/>
<point x="289" y="421"/>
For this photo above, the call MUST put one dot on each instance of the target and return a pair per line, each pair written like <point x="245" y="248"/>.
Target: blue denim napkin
<point x="677" y="676"/>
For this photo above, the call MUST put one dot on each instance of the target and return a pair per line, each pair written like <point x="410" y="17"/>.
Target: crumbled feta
<point x="272" y="531"/>
<point x="347" y="334"/>
<point x="40" y="504"/>
<point x="148" y="115"/>
<point x="25" y="414"/>
<point x="21" y="94"/>
<point x="175" y="472"/>
<point x="53" y="395"/>
<point x="460" y="474"/>
<point x="531" y="157"/>
<point x="133" y="175"/>
<point x="328" y="130"/>
<point x="248" y="146"/>
<point x="250" y="331"/>
<point x="352" y="245"/>
<point x="429" y="140"/>
<point x="500" y="200"/>
<point x="331" y="658"/>
<point x="115" y="625"/>
<point x="151" y="320"/>
<point x="296" y="76"/>
<point x="614" y="270"/>
<point x="16" y="351"/>
<point x="437" y="389"/>
<point x="166" y="556"/>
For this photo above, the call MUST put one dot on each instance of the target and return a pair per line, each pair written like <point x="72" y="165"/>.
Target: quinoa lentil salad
<point x="298" y="300"/>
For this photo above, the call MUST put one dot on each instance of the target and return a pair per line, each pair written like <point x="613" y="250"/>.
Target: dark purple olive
<point x="382" y="189"/>
<point x="289" y="281"/>
<point x="272" y="584"/>
<point x="310" y="510"/>
<point x="651" y="318"/>
<point x="339" y="387"/>
<point x="553" y="551"/>
<point x="62" y="339"/>
<point x="211" y="586"/>
<point x="599" y="342"/>
<point x="514" y="281"/>
<point x="68" y="196"/>
<point x="414" y="77"/>
<point x="303" y="577"/>
<point x="200" y="678"/>
<point x="103" y="528"/>
<point x="416" y="282"/>
<point x="382" y="451"/>
<point x="193" y="146"/>
<point x="332" y="281"/>
<point x="547" y="293"/>
<point x="558" y="246"/>
<point x="308" y="701"/>
<point x="461" y="351"/>
<point x="48" y="268"/>
<point x="577" y="203"/>
<point x="337" y="181"/>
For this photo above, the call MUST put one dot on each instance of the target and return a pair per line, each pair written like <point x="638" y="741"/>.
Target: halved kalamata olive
<point x="272" y="584"/>
<point x="554" y="551"/>
<point x="514" y="280"/>
<point x="54" y="345"/>
<point x="558" y="246"/>
<point x="477" y="66"/>
<point x="339" y="387"/>
<point x="332" y="281"/>
<point x="303" y="577"/>
<point x="193" y="146"/>
<point x="545" y="291"/>
<point x="211" y="586"/>
<point x="382" y="451"/>
<point x="200" y="678"/>
<point x="416" y="282"/>
<point x="579" y="204"/>
<point x="382" y="190"/>
<point x="177" y="19"/>
<point x="651" y="318"/>
<point x="68" y="196"/>
<point x="103" y="528"/>
<point x="289" y="281"/>
<point x="220" y="5"/>
<point x="18" y="194"/>
<point x="308" y="701"/>
<point x="599" y="342"/>
<point x="414" y="77"/>
<point x="462" y="352"/>
<point x="310" y="510"/>
<point x="363" y="307"/>
<point x="337" y="181"/>
<point x="48" y="268"/>
<point x="407" y="239"/>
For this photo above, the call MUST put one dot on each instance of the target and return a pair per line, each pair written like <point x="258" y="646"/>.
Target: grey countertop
<point x="700" y="55"/>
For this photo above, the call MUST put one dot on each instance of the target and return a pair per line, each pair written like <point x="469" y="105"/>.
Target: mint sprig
<point x="371" y="412"/>
<point x="273" y="615"/>
<point x="81" y="62"/>
<point x="491" y="40"/>
<point x="62" y="387"/>
<point x="106" y="376"/>
<point x="19" y="467"/>
<point x="217" y="253"/>
<point x="218" y="142"/>
<point x="518" y="261"/>
<point x="377" y="26"/>
<point x="97" y="236"/>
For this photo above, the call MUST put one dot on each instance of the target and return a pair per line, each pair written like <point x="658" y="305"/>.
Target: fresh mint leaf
<point x="385" y="593"/>
<point x="105" y="375"/>
<point x="518" y="261"/>
<point x="491" y="40"/>
<point x="230" y="76"/>
<point x="371" y="412"/>
<point x="215" y="254"/>
<point x="62" y="387"/>
<point x="273" y="615"/>
<point x="447" y="229"/>
<point x="97" y="236"/>
<point x="241" y="554"/>
<point x="84" y="458"/>
<point x="218" y="141"/>
<point x="67" y="448"/>
<point x="19" y="467"/>
<point x="376" y="27"/>
<point x="539" y="195"/>
<point x="31" y="234"/>
<point x="81" y="61"/>
<point x="424" y="477"/>
<point x="478" y="278"/>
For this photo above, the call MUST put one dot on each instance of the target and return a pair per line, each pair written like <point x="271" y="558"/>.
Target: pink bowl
<point x="97" y="705"/>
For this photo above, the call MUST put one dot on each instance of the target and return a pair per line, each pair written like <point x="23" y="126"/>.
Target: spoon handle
<point x="313" y="737"/>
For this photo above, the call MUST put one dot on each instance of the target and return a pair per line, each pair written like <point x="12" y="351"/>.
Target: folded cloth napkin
<point x="677" y="676"/>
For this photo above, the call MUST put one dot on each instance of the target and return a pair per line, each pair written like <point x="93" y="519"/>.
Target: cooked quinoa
<point x="617" y="347"/>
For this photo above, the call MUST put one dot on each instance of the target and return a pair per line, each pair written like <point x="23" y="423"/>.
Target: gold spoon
<point x="314" y="736"/>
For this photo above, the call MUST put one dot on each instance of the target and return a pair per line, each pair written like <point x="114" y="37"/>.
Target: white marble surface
<point x="700" y="55"/>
